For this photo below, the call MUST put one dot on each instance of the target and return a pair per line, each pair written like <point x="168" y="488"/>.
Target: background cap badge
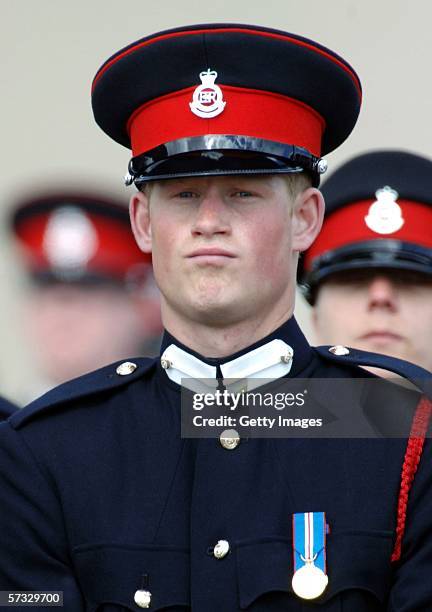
<point x="385" y="214"/>
<point x="70" y="239"/>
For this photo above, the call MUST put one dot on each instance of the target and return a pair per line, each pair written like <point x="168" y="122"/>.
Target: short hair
<point x="297" y="182"/>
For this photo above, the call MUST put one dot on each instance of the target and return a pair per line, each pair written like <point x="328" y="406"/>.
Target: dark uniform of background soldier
<point x="369" y="273"/>
<point x="90" y="297"/>
<point x="109" y="503"/>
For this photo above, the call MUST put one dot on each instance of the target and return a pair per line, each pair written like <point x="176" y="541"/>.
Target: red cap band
<point x="247" y="112"/>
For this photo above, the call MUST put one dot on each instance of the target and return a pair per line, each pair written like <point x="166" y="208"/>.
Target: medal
<point x="309" y="530"/>
<point x="309" y="581"/>
<point x="142" y="598"/>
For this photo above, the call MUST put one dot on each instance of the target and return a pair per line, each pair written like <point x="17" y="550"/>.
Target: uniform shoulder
<point x="343" y="355"/>
<point x="110" y="377"/>
<point x="6" y="408"/>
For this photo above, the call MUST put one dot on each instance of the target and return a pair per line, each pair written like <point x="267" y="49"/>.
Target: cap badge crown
<point x="207" y="99"/>
<point x="385" y="214"/>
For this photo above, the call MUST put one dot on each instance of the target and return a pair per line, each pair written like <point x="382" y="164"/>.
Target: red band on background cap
<point x="347" y="226"/>
<point x="291" y="39"/>
<point x="247" y="112"/>
<point x="115" y="254"/>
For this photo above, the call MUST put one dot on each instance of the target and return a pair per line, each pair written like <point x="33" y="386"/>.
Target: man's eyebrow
<point x="177" y="181"/>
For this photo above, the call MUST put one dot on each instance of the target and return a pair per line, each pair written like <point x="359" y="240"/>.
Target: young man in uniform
<point x="369" y="273"/>
<point x="128" y="514"/>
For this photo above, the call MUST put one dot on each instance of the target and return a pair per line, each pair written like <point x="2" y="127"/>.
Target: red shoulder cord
<point x="412" y="458"/>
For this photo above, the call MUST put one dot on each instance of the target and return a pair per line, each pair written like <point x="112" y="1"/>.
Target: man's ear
<point x="139" y="210"/>
<point x="308" y="215"/>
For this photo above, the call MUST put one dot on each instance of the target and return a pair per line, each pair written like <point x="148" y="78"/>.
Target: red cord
<point x="412" y="458"/>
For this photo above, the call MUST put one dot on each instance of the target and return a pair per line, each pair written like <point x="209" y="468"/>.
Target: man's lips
<point x="382" y="336"/>
<point x="209" y="252"/>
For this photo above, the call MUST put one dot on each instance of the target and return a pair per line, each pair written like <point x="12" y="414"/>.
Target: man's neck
<point x="218" y="341"/>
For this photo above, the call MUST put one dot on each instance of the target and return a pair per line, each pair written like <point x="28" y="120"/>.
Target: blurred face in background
<point x="75" y="329"/>
<point x="383" y="311"/>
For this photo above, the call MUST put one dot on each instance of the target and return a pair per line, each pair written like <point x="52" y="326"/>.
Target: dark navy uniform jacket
<point x="6" y="408"/>
<point x="97" y="489"/>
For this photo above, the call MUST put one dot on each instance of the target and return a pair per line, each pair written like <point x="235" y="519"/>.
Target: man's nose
<point x="382" y="293"/>
<point x="212" y="215"/>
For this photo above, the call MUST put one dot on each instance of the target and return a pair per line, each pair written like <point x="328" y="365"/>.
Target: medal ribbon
<point x="309" y="539"/>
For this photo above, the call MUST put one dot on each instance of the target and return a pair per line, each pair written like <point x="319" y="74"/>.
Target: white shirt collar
<point x="269" y="361"/>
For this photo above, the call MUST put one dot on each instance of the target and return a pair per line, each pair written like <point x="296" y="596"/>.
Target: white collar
<point x="269" y="361"/>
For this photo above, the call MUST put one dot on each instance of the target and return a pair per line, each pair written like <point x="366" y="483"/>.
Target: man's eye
<point x="186" y="194"/>
<point x="243" y="194"/>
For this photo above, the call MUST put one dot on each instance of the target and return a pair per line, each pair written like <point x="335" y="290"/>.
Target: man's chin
<point x="216" y="314"/>
<point x="217" y="311"/>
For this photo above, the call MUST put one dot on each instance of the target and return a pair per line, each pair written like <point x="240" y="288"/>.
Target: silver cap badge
<point x="207" y="99"/>
<point x="70" y="239"/>
<point x="385" y="214"/>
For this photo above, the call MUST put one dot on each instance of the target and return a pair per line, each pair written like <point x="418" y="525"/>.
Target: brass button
<point x="126" y="368"/>
<point x="229" y="439"/>
<point x="287" y="357"/>
<point x="322" y="166"/>
<point x="165" y="363"/>
<point x="221" y="549"/>
<point x="339" y="350"/>
<point x="142" y="598"/>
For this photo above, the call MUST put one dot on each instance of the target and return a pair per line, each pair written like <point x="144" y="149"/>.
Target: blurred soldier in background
<point x="93" y="299"/>
<point x="369" y="273"/>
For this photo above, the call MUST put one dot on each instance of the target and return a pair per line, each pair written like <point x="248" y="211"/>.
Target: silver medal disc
<point x="309" y="582"/>
<point x="142" y="598"/>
